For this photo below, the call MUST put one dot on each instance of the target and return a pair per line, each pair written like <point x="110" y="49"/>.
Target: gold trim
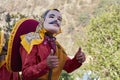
<point x="2" y="63"/>
<point x="1" y="40"/>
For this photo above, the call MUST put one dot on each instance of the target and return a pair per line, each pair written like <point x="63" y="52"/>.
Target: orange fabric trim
<point x="10" y="43"/>
<point x="2" y="63"/>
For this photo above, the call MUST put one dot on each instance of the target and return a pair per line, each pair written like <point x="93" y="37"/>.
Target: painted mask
<point x="52" y="21"/>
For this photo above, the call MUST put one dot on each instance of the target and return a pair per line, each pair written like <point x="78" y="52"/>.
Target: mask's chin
<point x="51" y="28"/>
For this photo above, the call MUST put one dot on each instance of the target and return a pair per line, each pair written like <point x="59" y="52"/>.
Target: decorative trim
<point x="1" y="40"/>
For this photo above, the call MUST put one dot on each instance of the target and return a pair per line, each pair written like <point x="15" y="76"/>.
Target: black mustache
<point x="54" y="22"/>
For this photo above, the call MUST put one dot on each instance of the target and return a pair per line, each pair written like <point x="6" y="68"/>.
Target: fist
<point x="80" y="56"/>
<point x="52" y="60"/>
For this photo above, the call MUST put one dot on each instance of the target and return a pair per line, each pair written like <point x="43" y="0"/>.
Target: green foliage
<point x="104" y="43"/>
<point x="65" y="76"/>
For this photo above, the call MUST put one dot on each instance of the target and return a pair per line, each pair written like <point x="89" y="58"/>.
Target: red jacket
<point x="34" y="64"/>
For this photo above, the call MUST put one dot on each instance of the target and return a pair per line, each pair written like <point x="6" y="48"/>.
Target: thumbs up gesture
<point x="80" y="56"/>
<point x="52" y="60"/>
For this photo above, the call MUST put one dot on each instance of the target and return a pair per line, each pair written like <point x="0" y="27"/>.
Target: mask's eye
<point x="59" y="18"/>
<point x="51" y="16"/>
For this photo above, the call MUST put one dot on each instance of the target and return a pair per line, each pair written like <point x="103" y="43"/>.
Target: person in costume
<point x="40" y="56"/>
<point x="4" y="73"/>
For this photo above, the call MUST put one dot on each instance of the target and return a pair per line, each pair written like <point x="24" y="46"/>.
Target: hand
<point x="52" y="60"/>
<point x="80" y="56"/>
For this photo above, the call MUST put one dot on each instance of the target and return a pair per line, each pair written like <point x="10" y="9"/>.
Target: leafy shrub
<point x="104" y="43"/>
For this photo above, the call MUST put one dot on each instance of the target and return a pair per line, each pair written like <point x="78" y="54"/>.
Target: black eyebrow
<point x="51" y="15"/>
<point x="54" y="15"/>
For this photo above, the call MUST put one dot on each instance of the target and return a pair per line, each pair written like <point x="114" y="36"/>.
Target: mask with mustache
<point x="54" y="22"/>
<point x="51" y="22"/>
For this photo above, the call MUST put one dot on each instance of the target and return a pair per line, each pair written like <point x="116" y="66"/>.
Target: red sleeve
<point x="71" y="65"/>
<point x="30" y="69"/>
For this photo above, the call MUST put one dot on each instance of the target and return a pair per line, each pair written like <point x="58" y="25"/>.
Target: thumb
<point x="52" y="52"/>
<point x="79" y="50"/>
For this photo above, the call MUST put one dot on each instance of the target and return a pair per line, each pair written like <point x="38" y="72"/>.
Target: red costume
<point x="7" y="75"/>
<point x="29" y="49"/>
<point x="34" y="64"/>
<point x="4" y="73"/>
